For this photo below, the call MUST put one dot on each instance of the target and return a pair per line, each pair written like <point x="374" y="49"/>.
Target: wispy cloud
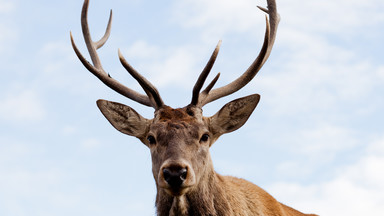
<point x="167" y="66"/>
<point x="340" y="17"/>
<point x="218" y="16"/>
<point x="355" y="190"/>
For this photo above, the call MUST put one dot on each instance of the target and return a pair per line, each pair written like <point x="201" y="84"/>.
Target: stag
<point x="179" y="139"/>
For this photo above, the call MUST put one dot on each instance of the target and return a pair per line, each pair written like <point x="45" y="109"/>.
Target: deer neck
<point x="207" y="198"/>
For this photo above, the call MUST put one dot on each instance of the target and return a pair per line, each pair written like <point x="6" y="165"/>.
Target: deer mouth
<point x="176" y="186"/>
<point x="179" y="191"/>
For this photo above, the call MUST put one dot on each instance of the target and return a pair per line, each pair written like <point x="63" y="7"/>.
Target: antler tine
<point x="247" y="76"/>
<point x="97" y="68"/>
<point x="150" y="89"/>
<point x="203" y="76"/>
<point x="104" y="39"/>
<point x="206" y="91"/>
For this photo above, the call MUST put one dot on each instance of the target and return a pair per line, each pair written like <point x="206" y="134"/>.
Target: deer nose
<point x="175" y="176"/>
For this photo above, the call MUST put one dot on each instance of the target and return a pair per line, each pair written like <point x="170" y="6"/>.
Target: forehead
<point x="178" y="118"/>
<point x="169" y="114"/>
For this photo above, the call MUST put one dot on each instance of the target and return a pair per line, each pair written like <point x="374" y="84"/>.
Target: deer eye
<point x="204" y="138"/>
<point x="151" y="140"/>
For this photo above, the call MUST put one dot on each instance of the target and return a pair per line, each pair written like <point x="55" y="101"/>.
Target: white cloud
<point x="329" y="72"/>
<point x="329" y="75"/>
<point x="60" y="69"/>
<point x="141" y="49"/>
<point x="376" y="148"/>
<point x="312" y="15"/>
<point x="356" y="189"/>
<point x="324" y="140"/>
<point x="171" y="66"/>
<point x="176" y="69"/>
<point x="340" y="16"/>
<point x="217" y="15"/>
<point x="380" y="72"/>
<point x="54" y="61"/>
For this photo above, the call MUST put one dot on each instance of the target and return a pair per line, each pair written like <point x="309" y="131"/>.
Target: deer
<point x="179" y="139"/>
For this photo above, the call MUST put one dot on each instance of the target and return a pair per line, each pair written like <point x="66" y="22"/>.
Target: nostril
<point x="175" y="176"/>
<point x="167" y="174"/>
<point x="183" y="174"/>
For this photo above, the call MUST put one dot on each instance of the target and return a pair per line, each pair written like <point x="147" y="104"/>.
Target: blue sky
<point x="315" y="141"/>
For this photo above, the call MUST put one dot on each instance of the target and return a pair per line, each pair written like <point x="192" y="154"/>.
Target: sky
<point x="315" y="141"/>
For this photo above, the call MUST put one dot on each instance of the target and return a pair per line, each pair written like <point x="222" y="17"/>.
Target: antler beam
<point x="269" y="39"/>
<point x="152" y="98"/>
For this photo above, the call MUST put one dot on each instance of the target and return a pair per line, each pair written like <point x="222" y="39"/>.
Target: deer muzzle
<point x="176" y="177"/>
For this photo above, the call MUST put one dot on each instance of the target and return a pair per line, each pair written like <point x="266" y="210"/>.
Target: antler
<point x="196" y="95"/>
<point x="151" y="99"/>
<point x="207" y="95"/>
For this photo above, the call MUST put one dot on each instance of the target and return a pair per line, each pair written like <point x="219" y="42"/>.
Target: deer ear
<point x="233" y="115"/>
<point x="124" y="118"/>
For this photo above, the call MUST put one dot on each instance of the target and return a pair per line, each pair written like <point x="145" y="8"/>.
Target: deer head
<point x="179" y="139"/>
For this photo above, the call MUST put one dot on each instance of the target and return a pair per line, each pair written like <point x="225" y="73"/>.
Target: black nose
<point x="175" y="176"/>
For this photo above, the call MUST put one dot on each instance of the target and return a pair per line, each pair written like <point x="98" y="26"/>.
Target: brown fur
<point x="226" y="196"/>
<point x="179" y="144"/>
